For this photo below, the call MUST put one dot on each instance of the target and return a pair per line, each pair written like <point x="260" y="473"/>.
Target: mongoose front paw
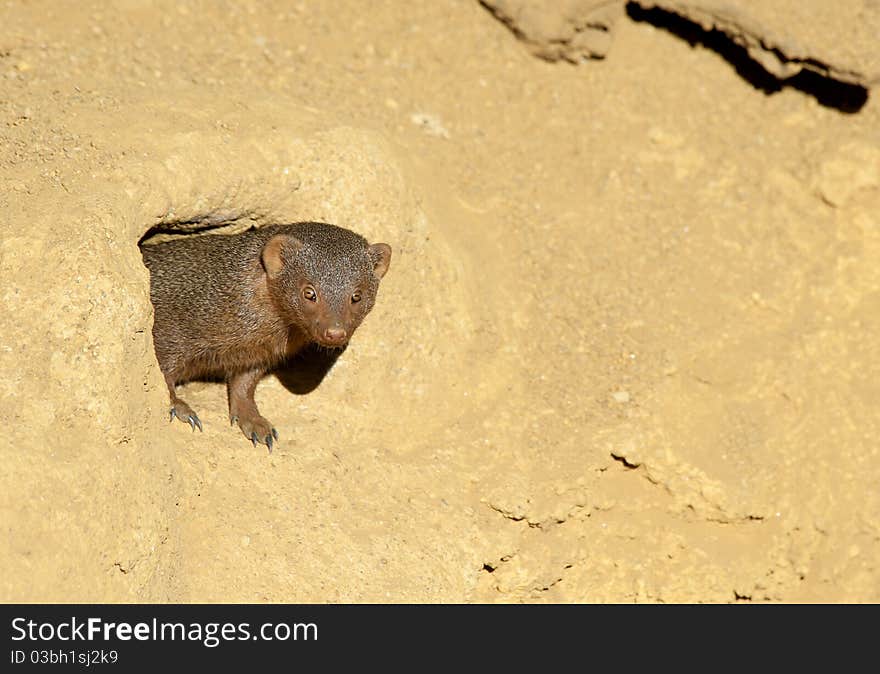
<point x="185" y="413"/>
<point x="257" y="429"/>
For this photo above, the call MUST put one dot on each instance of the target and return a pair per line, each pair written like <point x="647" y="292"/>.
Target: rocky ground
<point x="627" y="349"/>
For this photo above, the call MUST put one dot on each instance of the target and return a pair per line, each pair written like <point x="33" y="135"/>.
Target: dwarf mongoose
<point x="235" y="306"/>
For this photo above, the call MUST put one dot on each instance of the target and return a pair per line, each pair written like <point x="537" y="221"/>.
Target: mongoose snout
<point x="236" y="306"/>
<point x="335" y="336"/>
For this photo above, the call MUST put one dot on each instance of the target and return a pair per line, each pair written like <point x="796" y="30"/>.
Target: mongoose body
<point x="235" y="306"/>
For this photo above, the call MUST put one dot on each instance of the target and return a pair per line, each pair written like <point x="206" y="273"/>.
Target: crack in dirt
<point x="620" y="458"/>
<point x="765" y="66"/>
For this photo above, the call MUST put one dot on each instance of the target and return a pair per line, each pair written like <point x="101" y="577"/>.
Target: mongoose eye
<point x="310" y="294"/>
<point x="356" y="297"/>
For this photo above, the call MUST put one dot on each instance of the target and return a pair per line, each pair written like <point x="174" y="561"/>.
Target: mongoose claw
<point x="180" y="410"/>
<point x="257" y="429"/>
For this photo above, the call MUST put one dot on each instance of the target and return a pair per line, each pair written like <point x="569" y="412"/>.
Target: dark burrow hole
<point x="829" y="92"/>
<point x="300" y="374"/>
<point x="206" y="224"/>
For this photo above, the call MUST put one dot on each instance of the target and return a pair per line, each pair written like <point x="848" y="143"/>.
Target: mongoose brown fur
<point x="235" y="306"/>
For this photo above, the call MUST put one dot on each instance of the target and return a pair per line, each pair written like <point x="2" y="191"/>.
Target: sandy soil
<point x="627" y="349"/>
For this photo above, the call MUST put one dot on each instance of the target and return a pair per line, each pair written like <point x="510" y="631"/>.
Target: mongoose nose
<point x="335" y="335"/>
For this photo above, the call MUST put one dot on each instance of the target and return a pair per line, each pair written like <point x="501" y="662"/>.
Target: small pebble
<point x="430" y="124"/>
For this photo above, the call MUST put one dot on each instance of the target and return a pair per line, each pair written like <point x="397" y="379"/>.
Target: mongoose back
<point x="235" y="306"/>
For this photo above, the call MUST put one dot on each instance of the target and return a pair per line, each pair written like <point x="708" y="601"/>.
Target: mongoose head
<point x="324" y="279"/>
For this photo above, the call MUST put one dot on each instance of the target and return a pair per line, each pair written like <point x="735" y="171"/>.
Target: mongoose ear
<point x="380" y="253"/>
<point x="275" y="250"/>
